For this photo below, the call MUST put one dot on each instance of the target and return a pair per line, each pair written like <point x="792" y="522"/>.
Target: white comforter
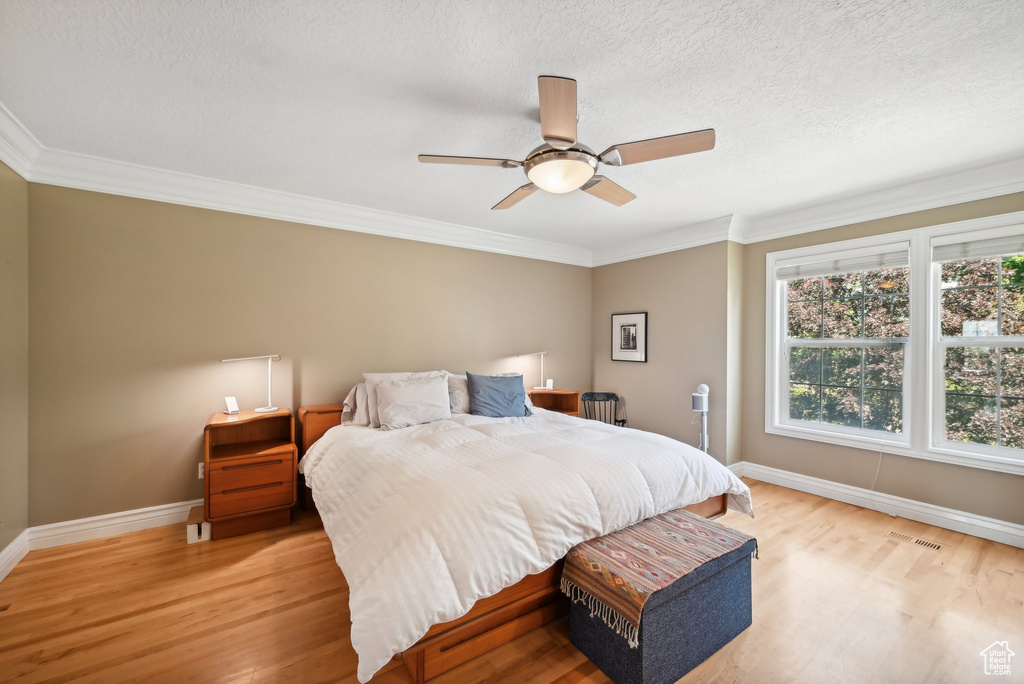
<point x="428" y="519"/>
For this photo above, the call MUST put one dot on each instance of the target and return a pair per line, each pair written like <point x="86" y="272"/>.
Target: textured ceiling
<point x="810" y="99"/>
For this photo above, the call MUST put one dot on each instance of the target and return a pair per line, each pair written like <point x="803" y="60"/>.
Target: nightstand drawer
<point x="252" y="499"/>
<point x="248" y="474"/>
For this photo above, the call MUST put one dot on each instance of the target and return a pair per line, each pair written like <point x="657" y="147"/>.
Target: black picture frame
<point x="629" y="337"/>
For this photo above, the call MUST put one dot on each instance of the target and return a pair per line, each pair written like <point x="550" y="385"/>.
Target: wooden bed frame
<point x="526" y="605"/>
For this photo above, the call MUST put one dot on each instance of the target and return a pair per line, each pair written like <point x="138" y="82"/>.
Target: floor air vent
<point x="920" y="542"/>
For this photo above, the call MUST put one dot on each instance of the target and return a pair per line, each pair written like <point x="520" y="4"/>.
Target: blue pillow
<point x="497" y="396"/>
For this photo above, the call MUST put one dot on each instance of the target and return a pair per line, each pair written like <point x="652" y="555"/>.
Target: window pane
<point x="804" y="402"/>
<point x="805" y="365"/>
<point x="804" y="288"/>
<point x="842" y="318"/>
<point x="883" y="367"/>
<point x="970" y="273"/>
<point x="1012" y="372"/>
<point x="843" y="285"/>
<point x="1013" y="269"/>
<point x="971" y="419"/>
<point x="887" y="316"/>
<point x="887" y="280"/>
<point x="840" y="406"/>
<point x="841" y="367"/>
<point x="970" y="313"/>
<point x="849" y="385"/>
<point x="1013" y="310"/>
<point x="805" y="320"/>
<point x="1011" y="415"/>
<point x="971" y="370"/>
<point x="883" y="410"/>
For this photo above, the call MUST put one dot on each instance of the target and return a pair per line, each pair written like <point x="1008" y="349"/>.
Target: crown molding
<point x="20" y="150"/>
<point x="18" y="147"/>
<point x="694" y="235"/>
<point x="954" y="187"/>
<point x="72" y="170"/>
<point x="38" y="164"/>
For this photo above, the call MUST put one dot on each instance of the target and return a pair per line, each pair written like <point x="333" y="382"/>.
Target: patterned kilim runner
<point x="616" y="574"/>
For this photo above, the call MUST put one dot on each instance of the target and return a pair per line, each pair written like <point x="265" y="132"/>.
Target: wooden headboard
<point x="316" y="420"/>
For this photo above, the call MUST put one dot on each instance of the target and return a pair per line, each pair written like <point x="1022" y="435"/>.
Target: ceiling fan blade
<point x="608" y="190"/>
<point x="659" y="148"/>
<point x="518" y="195"/>
<point x="557" y="111"/>
<point x="473" y="161"/>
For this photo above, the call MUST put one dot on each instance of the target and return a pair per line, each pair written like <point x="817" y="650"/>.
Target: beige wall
<point x="133" y="302"/>
<point x="978" y="491"/>
<point x="734" y="354"/>
<point x="685" y="295"/>
<point x="13" y="355"/>
<point x="130" y="304"/>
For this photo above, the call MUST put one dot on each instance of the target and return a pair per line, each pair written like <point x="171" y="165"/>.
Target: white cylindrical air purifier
<point x="700" y="405"/>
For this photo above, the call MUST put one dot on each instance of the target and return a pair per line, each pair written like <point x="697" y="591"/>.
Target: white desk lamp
<point x="270" y="386"/>
<point x="541" y="354"/>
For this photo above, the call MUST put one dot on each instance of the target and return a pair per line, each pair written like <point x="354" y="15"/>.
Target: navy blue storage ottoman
<point x="681" y="625"/>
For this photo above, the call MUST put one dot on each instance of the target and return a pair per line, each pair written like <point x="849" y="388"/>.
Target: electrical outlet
<point x="202" y="472"/>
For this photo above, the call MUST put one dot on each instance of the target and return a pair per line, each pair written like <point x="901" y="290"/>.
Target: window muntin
<point x="981" y="305"/>
<point x="858" y="383"/>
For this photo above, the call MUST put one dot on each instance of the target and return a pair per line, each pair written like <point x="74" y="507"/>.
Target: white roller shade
<point x="979" y="249"/>
<point x="885" y="256"/>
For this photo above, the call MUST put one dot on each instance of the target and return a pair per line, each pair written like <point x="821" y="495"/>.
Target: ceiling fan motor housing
<point x="560" y="171"/>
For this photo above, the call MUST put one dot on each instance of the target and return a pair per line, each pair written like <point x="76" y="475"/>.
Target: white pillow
<point x="356" y="411"/>
<point x="402" y="403"/>
<point x="458" y="393"/>
<point x="371" y="387"/>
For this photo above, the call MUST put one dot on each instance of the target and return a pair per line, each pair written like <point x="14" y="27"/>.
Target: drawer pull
<point x="252" y="465"/>
<point x="249" y="489"/>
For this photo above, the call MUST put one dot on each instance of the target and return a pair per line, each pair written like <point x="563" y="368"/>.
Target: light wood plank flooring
<point x="835" y="600"/>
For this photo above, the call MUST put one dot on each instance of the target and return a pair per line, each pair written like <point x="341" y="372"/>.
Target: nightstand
<point x="558" y="400"/>
<point x="251" y="463"/>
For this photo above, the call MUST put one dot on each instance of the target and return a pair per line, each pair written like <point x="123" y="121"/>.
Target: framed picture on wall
<point x="629" y="337"/>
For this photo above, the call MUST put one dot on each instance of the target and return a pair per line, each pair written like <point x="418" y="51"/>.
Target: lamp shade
<point x="561" y="175"/>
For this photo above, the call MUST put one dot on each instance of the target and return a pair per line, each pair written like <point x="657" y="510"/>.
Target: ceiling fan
<point x="563" y="164"/>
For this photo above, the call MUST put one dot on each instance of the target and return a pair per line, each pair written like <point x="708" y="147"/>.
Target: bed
<point x="451" y="534"/>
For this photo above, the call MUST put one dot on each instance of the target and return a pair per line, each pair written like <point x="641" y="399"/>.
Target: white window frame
<point x="923" y="433"/>
<point x="938" y="343"/>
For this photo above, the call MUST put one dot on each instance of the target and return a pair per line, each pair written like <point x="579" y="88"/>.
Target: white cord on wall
<point x="878" y="469"/>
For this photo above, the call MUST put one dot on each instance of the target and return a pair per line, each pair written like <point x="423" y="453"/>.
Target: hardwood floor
<point x="836" y="599"/>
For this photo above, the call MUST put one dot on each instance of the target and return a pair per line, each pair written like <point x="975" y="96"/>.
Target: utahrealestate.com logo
<point x="997" y="658"/>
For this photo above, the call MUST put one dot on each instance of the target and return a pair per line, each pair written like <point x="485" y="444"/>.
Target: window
<point x="912" y="343"/>
<point x="847" y="323"/>
<point x="981" y="319"/>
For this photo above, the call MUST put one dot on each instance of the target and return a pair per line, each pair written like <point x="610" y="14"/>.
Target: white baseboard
<point x="930" y="514"/>
<point x="13" y="553"/>
<point x="97" y="527"/>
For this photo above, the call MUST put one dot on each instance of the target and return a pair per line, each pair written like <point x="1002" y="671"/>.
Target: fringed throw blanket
<point x="614" y="575"/>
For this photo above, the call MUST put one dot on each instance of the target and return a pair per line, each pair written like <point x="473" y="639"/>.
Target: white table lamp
<point x="541" y="354"/>
<point x="270" y="386"/>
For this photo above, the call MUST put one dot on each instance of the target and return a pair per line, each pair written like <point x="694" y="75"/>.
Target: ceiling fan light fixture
<point x="564" y="164"/>
<point x="561" y="171"/>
